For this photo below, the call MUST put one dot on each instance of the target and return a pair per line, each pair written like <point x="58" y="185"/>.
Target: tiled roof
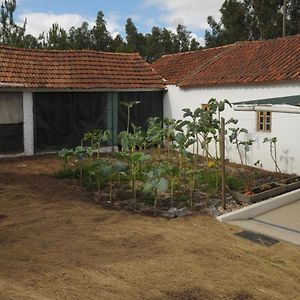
<point x="254" y="62"/>
<point x="82" y="69"/>
<point x="175" y="67"/>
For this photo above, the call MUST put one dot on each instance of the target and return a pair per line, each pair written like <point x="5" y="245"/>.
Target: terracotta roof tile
<point x="82" y="69"/>
<point x="254" y="62"/>
<point x="175" y="67"/>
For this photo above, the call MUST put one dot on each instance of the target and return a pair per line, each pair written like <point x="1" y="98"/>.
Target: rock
<point x="182" y="212"/>
<point x="174" y="212"/>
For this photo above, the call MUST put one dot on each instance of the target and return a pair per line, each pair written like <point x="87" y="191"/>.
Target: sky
<point x="41" y="14"/>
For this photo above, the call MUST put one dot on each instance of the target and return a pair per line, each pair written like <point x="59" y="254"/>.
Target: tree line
<point x="241" y="20"/>
<point x="247" y="20"/>
<point x="151" y="45"/>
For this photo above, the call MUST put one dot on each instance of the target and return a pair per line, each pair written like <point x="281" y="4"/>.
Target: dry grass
<point x="56" y="244"/>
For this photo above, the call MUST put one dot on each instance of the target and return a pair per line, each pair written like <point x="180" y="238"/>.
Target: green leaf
<point x="148" y="187"/>
<point x="162" y="185"/>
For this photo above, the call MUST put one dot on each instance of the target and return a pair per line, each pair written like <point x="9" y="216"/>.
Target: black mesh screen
<point x="61" y="119"/>
<point x="151" y="105"/>
<point x="11" y="138"/>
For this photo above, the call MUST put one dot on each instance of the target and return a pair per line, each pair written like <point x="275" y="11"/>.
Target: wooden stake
<point x="222" y="158"/>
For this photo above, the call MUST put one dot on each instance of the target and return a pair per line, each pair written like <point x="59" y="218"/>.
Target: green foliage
<point x="235" y="183"/>
<point x="64" y="156"/>
<point x="251" y="20"/>
<point x="169" y="177"/>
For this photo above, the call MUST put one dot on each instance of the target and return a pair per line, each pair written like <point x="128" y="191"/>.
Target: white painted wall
<point x="28" y="123"/>
<point x="286" y="127"/>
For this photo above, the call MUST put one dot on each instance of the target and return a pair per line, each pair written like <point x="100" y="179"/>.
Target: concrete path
<point x="282" y="223"/>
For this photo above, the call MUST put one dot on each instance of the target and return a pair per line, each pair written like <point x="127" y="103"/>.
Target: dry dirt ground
<point x="57" y="244"/>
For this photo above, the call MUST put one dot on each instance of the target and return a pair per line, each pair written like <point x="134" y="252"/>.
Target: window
<point x="264" y="121"/>
<point x="205" y="107"/>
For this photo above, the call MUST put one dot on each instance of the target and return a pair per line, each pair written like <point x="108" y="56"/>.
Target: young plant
<point x="155" y="133"/>
<point x="170" y="126"/>
<point x="155" y="183"/>
<point x="273" y="151"/>
<point x="182" y="142"/>
<point x="111" y="170"/>
<point x="64" y="156"/>
<point x="80" y="154"/>
<point x="192" y="126"/>
<point x="246" y="145"/>
<point x="95" y="139"/>
<point x="136" y="160"/>
<point x="129" y="105"/>
<point x="191" y="176"/>
<point x="172" y="174"/>
<point x="234" y="138"/>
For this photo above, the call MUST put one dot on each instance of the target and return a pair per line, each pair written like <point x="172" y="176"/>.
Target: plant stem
<point x="128" y="118"/>
<point x="172" y="191"/>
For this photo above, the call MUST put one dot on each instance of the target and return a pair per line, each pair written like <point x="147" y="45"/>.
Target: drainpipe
<point x="268" y="108"/>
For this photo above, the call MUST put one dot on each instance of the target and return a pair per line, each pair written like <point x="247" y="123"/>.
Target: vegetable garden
<point x="174" y="164"/>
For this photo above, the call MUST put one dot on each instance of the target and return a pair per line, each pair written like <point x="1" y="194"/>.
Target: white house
<point x="246" y="71"/>
<point x="49" y="99"/>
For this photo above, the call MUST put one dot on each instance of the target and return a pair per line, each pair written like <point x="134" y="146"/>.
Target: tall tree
<point x="118" y="44"/>
<point x="10" y="33"/>
<point x="80" y="38"/>
<point x="252" y="20"/>
<point x="57" y="38"/>
<point x="100" y="35"/>
<point x="184" y="38"/>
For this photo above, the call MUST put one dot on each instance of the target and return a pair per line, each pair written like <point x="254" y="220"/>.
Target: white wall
<point x="286" y="127"/>
<point x="28" y="123"/>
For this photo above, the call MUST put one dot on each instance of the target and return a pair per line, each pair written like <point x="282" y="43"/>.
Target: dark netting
<point x="11" y="138"/>
<point x="151" y="105"/>
<point x="61" y="119"/>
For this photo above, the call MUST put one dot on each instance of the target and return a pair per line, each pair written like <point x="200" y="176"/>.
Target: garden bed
<point x="204" y="198"/>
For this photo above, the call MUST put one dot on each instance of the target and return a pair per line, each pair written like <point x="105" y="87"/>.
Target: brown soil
<point x="57" y="244"/>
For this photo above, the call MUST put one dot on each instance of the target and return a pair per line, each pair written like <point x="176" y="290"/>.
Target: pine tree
<point x="10" y="33"/>
<point x="100" y="35"/>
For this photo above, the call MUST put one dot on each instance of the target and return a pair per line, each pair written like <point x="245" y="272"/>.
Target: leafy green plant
<point x="111" y="170"/>
<point x="155" y="183"/>
<point x="191" y="176"/>
<point x="136" y="160"/>
<point x="64" y="156"/>
<point x="80" y="153"/>
<point x="234" y="138"/>
<point x="129" y="105"/>
<point x="273" y="151"/>
<point x="170" y="126"/>
<point x="155" y="133"/>
<point x="95" y="139"/>
<point x="192" y="126"/>
<point x="182" y="142"/>
<point x="172" y="173"/>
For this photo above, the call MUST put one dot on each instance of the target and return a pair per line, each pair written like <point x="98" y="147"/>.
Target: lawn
<point x="55" y="243"/>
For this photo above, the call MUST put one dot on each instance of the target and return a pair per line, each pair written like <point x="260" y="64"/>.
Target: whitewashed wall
<point x="286" y="127"/>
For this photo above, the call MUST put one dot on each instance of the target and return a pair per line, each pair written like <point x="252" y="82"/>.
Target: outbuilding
<point x="49" y="99"/>
<point x="266" y="72"/>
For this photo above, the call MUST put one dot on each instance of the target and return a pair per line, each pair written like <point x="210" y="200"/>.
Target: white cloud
<point x="37" y="22"/>
<point x="191" y="13"/>
<point x="113" y="23"/>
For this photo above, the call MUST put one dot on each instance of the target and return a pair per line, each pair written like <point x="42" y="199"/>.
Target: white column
<point x="28" y="123"/>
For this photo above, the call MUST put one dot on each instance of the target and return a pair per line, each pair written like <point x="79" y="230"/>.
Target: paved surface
<point x="282" y="223"/>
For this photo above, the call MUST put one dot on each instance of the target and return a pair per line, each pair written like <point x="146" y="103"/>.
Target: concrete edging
<point x="256" y="209"/>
